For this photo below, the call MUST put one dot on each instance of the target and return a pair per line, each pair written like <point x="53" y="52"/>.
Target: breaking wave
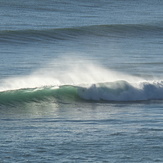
<point x="118" y="91"/>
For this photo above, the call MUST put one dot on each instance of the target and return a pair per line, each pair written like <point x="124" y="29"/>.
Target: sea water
<point x="81" y="81"/>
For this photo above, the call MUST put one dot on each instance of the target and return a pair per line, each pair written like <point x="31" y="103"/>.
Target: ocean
<point x="81" y="81"/>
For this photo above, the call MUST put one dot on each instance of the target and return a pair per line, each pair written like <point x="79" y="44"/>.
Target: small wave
<point x="118" y="91"/>
<point x="48" y="35"/>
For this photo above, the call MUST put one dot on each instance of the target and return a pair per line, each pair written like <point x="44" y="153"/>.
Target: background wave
<point x="47" y="35"/>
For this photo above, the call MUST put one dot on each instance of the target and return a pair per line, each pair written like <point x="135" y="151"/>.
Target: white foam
<point x="66" y="71"/>
<point x="123" y="91"/>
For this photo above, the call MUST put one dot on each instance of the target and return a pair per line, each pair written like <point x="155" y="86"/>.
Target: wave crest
<point x="124" y="91"/>
<point x="118" y="91"/>
<point x="56" y="34"/>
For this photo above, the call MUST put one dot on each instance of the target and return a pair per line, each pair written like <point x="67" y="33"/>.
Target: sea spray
<point x="65" y="81"/>
<point x="64" y="71"/>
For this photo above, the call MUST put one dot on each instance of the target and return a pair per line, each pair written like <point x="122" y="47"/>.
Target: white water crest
<point x="123" y="91"/>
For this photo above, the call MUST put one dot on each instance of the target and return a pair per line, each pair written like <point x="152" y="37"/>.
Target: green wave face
<point x="118" y="91"/>
<point x="64" y="93"/>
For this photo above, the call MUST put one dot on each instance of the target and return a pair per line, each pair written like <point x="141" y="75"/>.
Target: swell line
<point x="114" y="30"/>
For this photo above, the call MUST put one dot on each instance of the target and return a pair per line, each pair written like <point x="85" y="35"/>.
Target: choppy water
<point x="81" y="81"/>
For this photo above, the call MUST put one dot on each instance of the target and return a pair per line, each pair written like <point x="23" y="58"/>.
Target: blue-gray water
<point x="81" y="81"/>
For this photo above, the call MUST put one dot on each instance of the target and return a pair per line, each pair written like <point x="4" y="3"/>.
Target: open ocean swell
<point x="117" y="91"/>
<point x="81" y="81"/>
<point x="110" y="31"/>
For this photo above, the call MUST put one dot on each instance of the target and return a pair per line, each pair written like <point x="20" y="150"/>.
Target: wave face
<point x="51" y="35"/>
<point x="118" y="91"/>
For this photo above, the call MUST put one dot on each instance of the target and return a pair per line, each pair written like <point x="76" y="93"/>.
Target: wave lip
<point x="118" y="91"/>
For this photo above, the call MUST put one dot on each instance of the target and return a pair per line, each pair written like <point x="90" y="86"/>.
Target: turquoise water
<point x="81" y="81"/>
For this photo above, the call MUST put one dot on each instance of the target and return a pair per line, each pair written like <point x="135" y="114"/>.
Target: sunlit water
<point x="81" y="81"/>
